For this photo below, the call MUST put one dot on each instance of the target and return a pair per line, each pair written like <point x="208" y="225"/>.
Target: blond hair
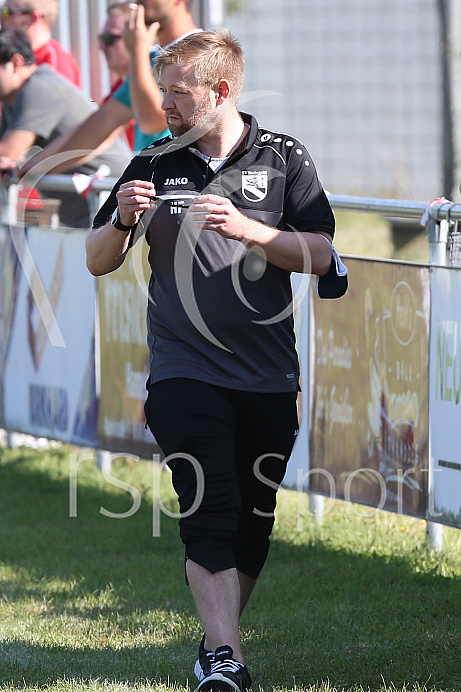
<point x="215" y="55"/>
<point x="47" y="8"/>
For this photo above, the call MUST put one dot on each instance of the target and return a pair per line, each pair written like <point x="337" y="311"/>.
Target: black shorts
<point x="242" y="442"/>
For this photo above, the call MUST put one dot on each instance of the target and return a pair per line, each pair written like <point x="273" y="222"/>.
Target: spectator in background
<point x="152" y="24"/>
<point x="162" y="21"/>
<point x="117" y="56"/>
<point x="36" y="17"/>
<point x="38" y="106"/>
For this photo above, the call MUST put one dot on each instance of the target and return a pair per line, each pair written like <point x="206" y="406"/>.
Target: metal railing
<point x="442" y="221"/>
<point x="442" y="215"/>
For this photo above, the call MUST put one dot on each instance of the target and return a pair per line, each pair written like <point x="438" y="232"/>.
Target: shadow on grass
<point x="319" y="612"/>
<point x="25" y="665"/>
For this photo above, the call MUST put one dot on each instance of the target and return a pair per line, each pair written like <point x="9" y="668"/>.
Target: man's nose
<point x="168" y="101"/>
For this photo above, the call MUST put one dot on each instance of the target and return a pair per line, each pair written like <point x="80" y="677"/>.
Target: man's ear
<point x="223" y="89"/>
<point x="17" y="61"/>
<point x="35" y="15"/>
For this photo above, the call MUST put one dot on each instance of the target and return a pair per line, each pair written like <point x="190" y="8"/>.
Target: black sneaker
<point x="227" y="674"/>
<point x="202" y="666"/>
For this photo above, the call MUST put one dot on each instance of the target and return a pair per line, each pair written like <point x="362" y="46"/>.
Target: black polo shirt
<point x="218" y="312"/>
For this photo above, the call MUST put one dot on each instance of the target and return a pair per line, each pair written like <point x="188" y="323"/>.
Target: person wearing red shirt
<point x="36" y="17"/>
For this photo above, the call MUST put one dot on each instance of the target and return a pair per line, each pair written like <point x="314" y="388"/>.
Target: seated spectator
<point x="36" y="17"/>
<point x="115" y="52"/>
<point x="155" y="21"/>
<point x="39" y="106"/>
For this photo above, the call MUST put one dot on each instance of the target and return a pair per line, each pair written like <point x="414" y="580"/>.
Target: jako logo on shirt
<point x="254" y="185"/>
<point x="176" y="181"/>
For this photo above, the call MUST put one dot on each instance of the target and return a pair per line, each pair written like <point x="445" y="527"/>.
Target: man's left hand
<point x="137" y="36"/>
<point x="214" y="213"/>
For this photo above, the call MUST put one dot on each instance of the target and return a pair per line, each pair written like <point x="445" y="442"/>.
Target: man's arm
<point x="13" y="145"/>
<point x="145" y="96"/>
<point x="107" y="246"/>
<point x="84" y="142"/>
<point x="106" y="249"/>
<point x="304" y="252"/>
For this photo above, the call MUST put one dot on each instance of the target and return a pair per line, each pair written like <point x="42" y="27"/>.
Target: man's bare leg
<point x="220" y="599"/>
<point x="217" y="598"/>
<point x="247" y="584"/>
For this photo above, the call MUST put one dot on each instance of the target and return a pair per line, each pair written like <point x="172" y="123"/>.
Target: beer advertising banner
<point x="49" y="385"/>
<point x="124" y="357"/>
<point x="445" y="396"/>
<point x="369" y="388"/>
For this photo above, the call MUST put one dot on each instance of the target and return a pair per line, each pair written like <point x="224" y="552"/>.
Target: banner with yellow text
<point x="124" y="357"/>
<point x="369" y="384"/>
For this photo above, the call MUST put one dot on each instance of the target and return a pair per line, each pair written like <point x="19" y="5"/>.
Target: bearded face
<point x="186" y="103"/>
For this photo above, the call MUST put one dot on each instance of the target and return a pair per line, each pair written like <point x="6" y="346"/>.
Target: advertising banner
<point x="9" y="285"/>
<point x="49" y="377"/>
<point x="369" y="384"/>
<point x="124" y="357"/>
<point x="445" y="395"/>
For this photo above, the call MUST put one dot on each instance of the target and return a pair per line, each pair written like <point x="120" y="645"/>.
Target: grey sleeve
<point x="35" y="110"/>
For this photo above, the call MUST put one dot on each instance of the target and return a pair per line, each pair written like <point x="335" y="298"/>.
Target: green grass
<point x="91" y="603"/>
<point x="371" y="235"/>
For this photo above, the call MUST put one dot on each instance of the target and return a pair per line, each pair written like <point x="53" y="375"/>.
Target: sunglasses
<point x="109" y="39"/>
<point x="7" y="12"/>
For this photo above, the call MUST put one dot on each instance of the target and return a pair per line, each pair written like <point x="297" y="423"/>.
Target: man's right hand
<point x="133" y="199"/>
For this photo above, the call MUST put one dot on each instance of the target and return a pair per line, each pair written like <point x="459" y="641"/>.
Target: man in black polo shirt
<point x="229" y="210"/>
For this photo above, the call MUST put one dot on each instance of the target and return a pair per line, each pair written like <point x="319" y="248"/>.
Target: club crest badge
<point x="254" y="185"/>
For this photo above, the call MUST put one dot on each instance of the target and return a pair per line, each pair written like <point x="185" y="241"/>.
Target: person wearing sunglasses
<point x="36" y="18"/>
<point x="117" y="57"/>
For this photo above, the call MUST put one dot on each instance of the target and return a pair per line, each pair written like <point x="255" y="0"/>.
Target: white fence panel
<point x="49" y="380"/>
<point x="445" y="395"/>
